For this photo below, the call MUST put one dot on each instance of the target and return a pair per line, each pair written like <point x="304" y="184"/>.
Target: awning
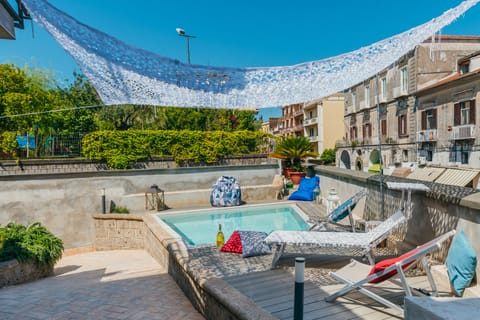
<point x="402" y="172"/>
<point x="460" y="177"/>
<point x="426" y="174"/>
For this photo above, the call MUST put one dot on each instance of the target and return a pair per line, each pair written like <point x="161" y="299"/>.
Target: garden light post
<point x="182" y="33"/>
<point x="104" y="204"/>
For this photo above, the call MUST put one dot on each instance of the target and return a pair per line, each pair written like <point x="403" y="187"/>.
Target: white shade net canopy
<point x="123" y="74"/>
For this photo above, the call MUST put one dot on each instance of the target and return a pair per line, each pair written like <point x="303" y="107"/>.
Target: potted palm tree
<point x="293" y="150"/>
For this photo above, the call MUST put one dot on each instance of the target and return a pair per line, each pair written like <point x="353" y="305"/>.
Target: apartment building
<point x="323" y="121"/>
<point x="272" y="126"/>
<point x="447" y="131"/>
<point x="381" y="117"/>
<point x="292" y="120"/>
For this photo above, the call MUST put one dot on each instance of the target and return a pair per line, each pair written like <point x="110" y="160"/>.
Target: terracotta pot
<point x="286" y="172"/>
<point x="296" y="177"/>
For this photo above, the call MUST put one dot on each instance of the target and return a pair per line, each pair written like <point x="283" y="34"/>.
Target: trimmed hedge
<point x="122" y="149"/>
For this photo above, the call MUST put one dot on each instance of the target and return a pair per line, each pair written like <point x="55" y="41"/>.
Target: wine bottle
<point x="220" y="237"/>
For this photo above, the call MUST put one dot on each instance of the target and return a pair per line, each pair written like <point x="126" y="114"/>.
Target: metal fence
<point x="50" y="146"/>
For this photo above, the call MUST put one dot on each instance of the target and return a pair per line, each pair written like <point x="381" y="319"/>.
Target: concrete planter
<point x="13" y="272"/>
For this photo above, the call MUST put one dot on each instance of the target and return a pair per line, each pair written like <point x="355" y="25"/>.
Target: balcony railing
<point x="463" y="132"/>
<point x="313" y="138"/>
<point x="298" y="127"/>
<point x="307" y="122"/>
<point x="427" y="135"/>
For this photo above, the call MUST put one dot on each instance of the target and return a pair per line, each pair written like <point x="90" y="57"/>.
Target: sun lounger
<point x="359" y="276"/>
<point x="342" y="211"/>
<point x="338" y="243"/>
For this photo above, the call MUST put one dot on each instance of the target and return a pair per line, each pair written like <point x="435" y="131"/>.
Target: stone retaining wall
<point x="12" y="272"/>
<point x="76" y="165"/>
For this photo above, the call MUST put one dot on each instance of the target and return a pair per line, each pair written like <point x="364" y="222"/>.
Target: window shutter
<point x="434" y="116"/>
<point x="369" y="130"/>
<point x="456" y="114"/>
<point x="424" y="120"/>
<point x="472" y="112"/>
<point x="399" y="125"/>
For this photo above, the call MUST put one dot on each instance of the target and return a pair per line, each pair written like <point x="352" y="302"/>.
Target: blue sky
<point x="235" y="33"/>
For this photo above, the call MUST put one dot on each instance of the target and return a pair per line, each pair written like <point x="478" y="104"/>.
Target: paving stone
<point x="119" y="284"/>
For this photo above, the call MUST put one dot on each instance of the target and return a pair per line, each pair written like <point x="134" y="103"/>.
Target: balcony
<point x="298" y="127"/>
<point x="343" y="143"/>
<point x="313" y="138"/>
<point x="463" y="132"/>
<point x="427" y="135"/>
<point x="297" y="113"/>
<point x="398" y="92"/>
<point x="309" y="122"/>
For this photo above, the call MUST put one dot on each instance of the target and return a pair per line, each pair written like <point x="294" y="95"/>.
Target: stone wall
<point x="435" y="212"/>
<point x="12" y="272"/>
<point x="65" y="202"/>
<point x="75" y="165"/>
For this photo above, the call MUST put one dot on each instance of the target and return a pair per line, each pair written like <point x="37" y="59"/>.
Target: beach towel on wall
<point x="226" y="192"/>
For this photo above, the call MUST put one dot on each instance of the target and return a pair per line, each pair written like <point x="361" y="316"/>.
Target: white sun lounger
<point x="336" y="242"/>
<point x="356" y="275"/>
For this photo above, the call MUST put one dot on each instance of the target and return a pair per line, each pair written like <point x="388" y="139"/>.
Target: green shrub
<point x="120" y="210"/>
<point x="8" y="142"/>
<point x="122" y="149"/>
<point x="33" y="244"/>
<point x="328" y="156"/>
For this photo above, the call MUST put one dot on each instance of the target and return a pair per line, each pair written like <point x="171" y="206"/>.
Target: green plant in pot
<point x="293" y="150"/>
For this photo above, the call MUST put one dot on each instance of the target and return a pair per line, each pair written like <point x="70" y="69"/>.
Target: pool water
<point x="200" y="227"/>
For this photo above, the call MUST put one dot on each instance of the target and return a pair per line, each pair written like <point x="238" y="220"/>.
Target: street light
<point x="182" y="33"/>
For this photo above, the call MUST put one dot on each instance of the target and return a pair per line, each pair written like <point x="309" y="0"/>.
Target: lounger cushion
<point x="384" y="264"/>
<point x="233" y="244"/>
<point x="253" y="243"/>
<point x="341" y="211"/>
<point x="461" y="263"/>
<point x="305" y="189"/>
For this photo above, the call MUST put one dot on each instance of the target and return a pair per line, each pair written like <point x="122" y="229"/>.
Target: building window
<point x="429" y="119"/>
<point x="383" y="89"/>
<point x="402" y="125"/>
<point x="311" y="132"/>
<point x="464" y="113"/>
<point x="367" y="130"/>
<point x="404" y="80"/>
<point x="353" y="133"/>
<point x="367" y="96"/>
<point x="383" y="127"/>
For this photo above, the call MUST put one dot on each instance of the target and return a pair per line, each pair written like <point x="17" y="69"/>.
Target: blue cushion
<point x="461" y="263"/>
<point x="341" y="211"/>
<point x="253" y="244"/>
<point x="309" y="184"/>
<point x="305" y="189"/>
<point x="301" y="195"/>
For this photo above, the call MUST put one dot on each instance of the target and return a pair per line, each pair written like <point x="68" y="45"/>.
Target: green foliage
<point x="328" y="156"/>
<point x="293" y="150"/>
<point x="8" y="142"/>
<point x="121" y="149"/>
<point x="120" y="210"/>
<point x="32" y="243"/>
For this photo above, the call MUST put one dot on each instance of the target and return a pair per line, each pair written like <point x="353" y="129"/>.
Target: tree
<point x="294" y="150"/>
<point x="328" y="156"/>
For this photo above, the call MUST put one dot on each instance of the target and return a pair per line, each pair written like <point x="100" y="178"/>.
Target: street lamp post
<point x="182" y="33"/>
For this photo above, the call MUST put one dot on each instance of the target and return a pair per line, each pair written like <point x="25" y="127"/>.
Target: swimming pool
<point x="200" y="227"/>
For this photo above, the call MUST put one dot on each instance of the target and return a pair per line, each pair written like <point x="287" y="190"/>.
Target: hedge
<point x="122" y="149"/>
